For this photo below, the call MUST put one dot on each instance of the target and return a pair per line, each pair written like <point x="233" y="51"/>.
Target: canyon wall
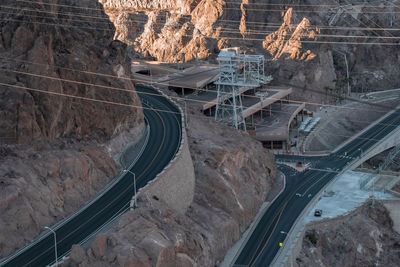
<point x="305" y="49"/>
<point x="58" y="131"/>
<point x="44" y="50"/>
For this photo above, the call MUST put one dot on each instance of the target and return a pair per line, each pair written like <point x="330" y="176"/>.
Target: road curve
<point x="263" y="244"/>
<point x="164" y="142"/>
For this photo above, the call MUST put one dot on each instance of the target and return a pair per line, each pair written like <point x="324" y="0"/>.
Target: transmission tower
<point x="237" y="73"/>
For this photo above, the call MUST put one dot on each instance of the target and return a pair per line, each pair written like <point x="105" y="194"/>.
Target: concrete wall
<point x="174" y="186"/>
<point x="393" y="206"/>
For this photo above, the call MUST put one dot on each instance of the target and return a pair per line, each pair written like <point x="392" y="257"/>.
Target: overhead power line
<point x="139" y="107"/>
<point x="227" y="30"/>
<point x="263" y="24"/>
<point x="177" y="97"/>
<point x="250" y="32"/>
<point x="167" y="82"/>
<point x="298" y="5"/>
<point x="220" y="37"/>
<point x="225" y="7"/>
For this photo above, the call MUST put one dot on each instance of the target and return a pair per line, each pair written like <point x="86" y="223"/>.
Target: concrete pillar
<point x="210" y="111"/>
<point x="252" y="120"/>
<point x="272" y="144"/>
<point x="261" y="114"/>
<point x="270" y="111"/>
<point x="183" y="92"/>
<point x="280" y="102"/>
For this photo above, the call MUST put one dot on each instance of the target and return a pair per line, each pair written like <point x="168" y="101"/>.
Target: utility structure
<point x="237" y="74"/>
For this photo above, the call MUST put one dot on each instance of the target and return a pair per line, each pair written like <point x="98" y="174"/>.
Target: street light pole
<point x="134" y="186"/>
<point x="55" y="242"/>
<point x="291" y="256"/>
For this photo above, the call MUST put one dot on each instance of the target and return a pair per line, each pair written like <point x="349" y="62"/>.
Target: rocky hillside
<point x="56" y="143"/>
<point x="306" y="48"/>
<point x="42" y="48"/>
<point x="233" y="172"/>
<point x="365" y="237"/>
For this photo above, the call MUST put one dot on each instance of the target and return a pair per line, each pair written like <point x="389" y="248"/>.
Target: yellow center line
<point x="281" y="212"/>
<point x="284" y="206"/>
<point x="299" y="187"/>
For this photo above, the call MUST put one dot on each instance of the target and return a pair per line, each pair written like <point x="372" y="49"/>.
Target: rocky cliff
<point x="233" y="175"/>
<point x="315" y="38"/>
<point x="44" y="48"/>
<point x="365" y="237"/>
<point x="61" y="121"/>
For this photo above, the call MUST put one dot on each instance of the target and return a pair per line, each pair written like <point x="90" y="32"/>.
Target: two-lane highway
<point x="163" y="143"/>
<point x="263" y="244"/>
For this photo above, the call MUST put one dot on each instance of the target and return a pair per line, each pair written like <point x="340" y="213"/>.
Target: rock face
<point x="179" y="30"/>
<point x="287" y="39"/>
<point x="365" y="237"/>
<point x="48" y="166"/>
<point x="172" y="31"/>
<point x="41" y="185"/>
<point x="37" y="54"/>
<point x="233" y="175"/>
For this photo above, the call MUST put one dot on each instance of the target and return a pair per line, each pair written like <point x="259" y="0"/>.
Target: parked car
<point x="318" y="213"/>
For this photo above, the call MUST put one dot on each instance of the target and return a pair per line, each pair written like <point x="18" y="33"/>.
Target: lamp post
<point x="55" y="242"/>
<point x="134" y="187"/>
<point x="291" y="256"/>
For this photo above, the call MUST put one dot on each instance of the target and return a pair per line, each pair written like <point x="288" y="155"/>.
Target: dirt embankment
<point x="233" y="175"/>
<point x="365" y="237"/>
<point x="56" y="150"/>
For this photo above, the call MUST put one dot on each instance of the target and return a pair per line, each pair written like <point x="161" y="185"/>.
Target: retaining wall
<point x="175" y="184"/>
<point x="393" y="205"/>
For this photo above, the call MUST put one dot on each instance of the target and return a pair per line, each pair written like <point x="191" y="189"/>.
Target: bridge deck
<point x="276" y="127"/>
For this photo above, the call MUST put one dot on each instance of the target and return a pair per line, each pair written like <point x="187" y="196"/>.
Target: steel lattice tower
<point x="238" y="73"/>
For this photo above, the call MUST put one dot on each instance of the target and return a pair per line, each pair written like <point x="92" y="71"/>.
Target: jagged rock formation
<point x="365" y="237"/>
<point x="30" y="45"/>
<point x="56" y="151"/>
<point x="287" y="39"/>
<point x="233" y="175"/>
<point x="176" y="31"/>
<point x="170" y="31"/>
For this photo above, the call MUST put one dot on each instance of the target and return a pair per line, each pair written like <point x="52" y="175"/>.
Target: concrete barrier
<point x="393" y="206"/>
<point x="175" y="184"/>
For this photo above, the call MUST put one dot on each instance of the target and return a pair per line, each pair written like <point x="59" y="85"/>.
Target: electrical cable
<point x="220" y="37"/>
<point x="166" y="83"/>
<point x="319" y="26"/>
<point x="126" y="90"/>
<point x="128" y="105"/>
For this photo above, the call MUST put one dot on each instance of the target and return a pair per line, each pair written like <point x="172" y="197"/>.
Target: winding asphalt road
<point x="263" y="244"/>
<point x="163" y="144"/>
